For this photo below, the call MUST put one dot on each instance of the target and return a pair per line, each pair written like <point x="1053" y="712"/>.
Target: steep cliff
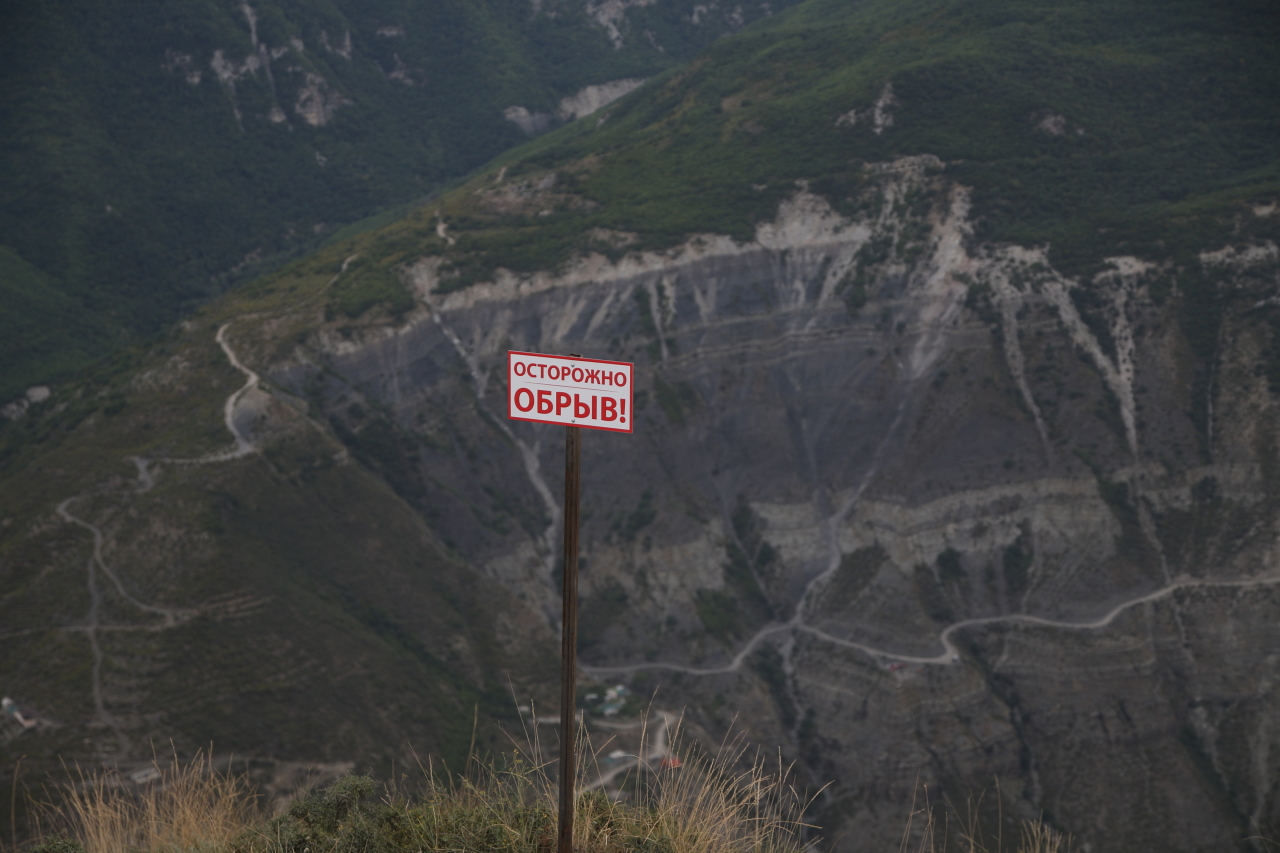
<point x="955" y="454"/>
<point x="918" y="510"/>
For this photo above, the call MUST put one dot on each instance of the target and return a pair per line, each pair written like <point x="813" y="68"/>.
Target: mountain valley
<point x="955" y="457"/>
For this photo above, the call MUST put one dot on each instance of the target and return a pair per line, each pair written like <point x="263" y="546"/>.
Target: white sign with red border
<point x="560" y="389"/>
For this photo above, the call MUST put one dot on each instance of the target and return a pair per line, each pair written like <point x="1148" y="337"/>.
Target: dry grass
<point x="714" y="803"/>
<point x="708" y="808"/>
<point x="1038" y="838"/>
<point x="934" y="834"/>
<point x="187" y="807"/>
<point x="718" y="801"/>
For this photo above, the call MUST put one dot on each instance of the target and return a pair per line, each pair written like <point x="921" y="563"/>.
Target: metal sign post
<point x="577" y="392"/>
<point x="569" y="637"/>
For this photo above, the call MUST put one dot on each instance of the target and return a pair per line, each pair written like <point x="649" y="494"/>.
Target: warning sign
<point x="555" y="389"/>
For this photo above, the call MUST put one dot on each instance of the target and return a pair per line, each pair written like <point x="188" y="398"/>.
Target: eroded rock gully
<point x="852" y="434"/>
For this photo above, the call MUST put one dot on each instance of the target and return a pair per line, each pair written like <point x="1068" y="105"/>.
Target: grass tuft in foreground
<point x="710" y="804"/>
<point x="717" y="804"/>
<point x="188" y="807"/>
<point x="929" y="830"/>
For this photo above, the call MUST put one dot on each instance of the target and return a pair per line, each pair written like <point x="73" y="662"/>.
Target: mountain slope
<point x="289" y="607"/>
<point x="955" y="454"/>
<point x="155" y="151"/>
<point x="1063" y="120"/>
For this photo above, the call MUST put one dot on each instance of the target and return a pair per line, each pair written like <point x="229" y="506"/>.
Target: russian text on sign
<point x="583" y="392"/>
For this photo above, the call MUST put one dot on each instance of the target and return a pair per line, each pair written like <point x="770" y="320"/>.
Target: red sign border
<point x="631" y="391"/>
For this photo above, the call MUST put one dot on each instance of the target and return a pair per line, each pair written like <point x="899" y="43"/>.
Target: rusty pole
<point x="569" y="638"/>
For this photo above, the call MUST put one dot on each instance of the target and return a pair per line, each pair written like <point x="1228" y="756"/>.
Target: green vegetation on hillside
<point x="1095" y="128"/>
<point x="140" y="180"/>
<point x="44" y="332"/>
<point x="272" y="673"/>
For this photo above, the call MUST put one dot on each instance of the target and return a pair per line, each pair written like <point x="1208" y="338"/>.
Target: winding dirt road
<point x="243" y="445"/>
<point x="93" y="626"/>
<point x="650" y="751"/>
<point x="950" y="653"/>
<point x="170" y="616"/>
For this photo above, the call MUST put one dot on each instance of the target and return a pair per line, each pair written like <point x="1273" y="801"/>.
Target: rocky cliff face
<point x="911" y="504"/>
<point x="917" y="507"/>
<point x="956" y="468"/>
